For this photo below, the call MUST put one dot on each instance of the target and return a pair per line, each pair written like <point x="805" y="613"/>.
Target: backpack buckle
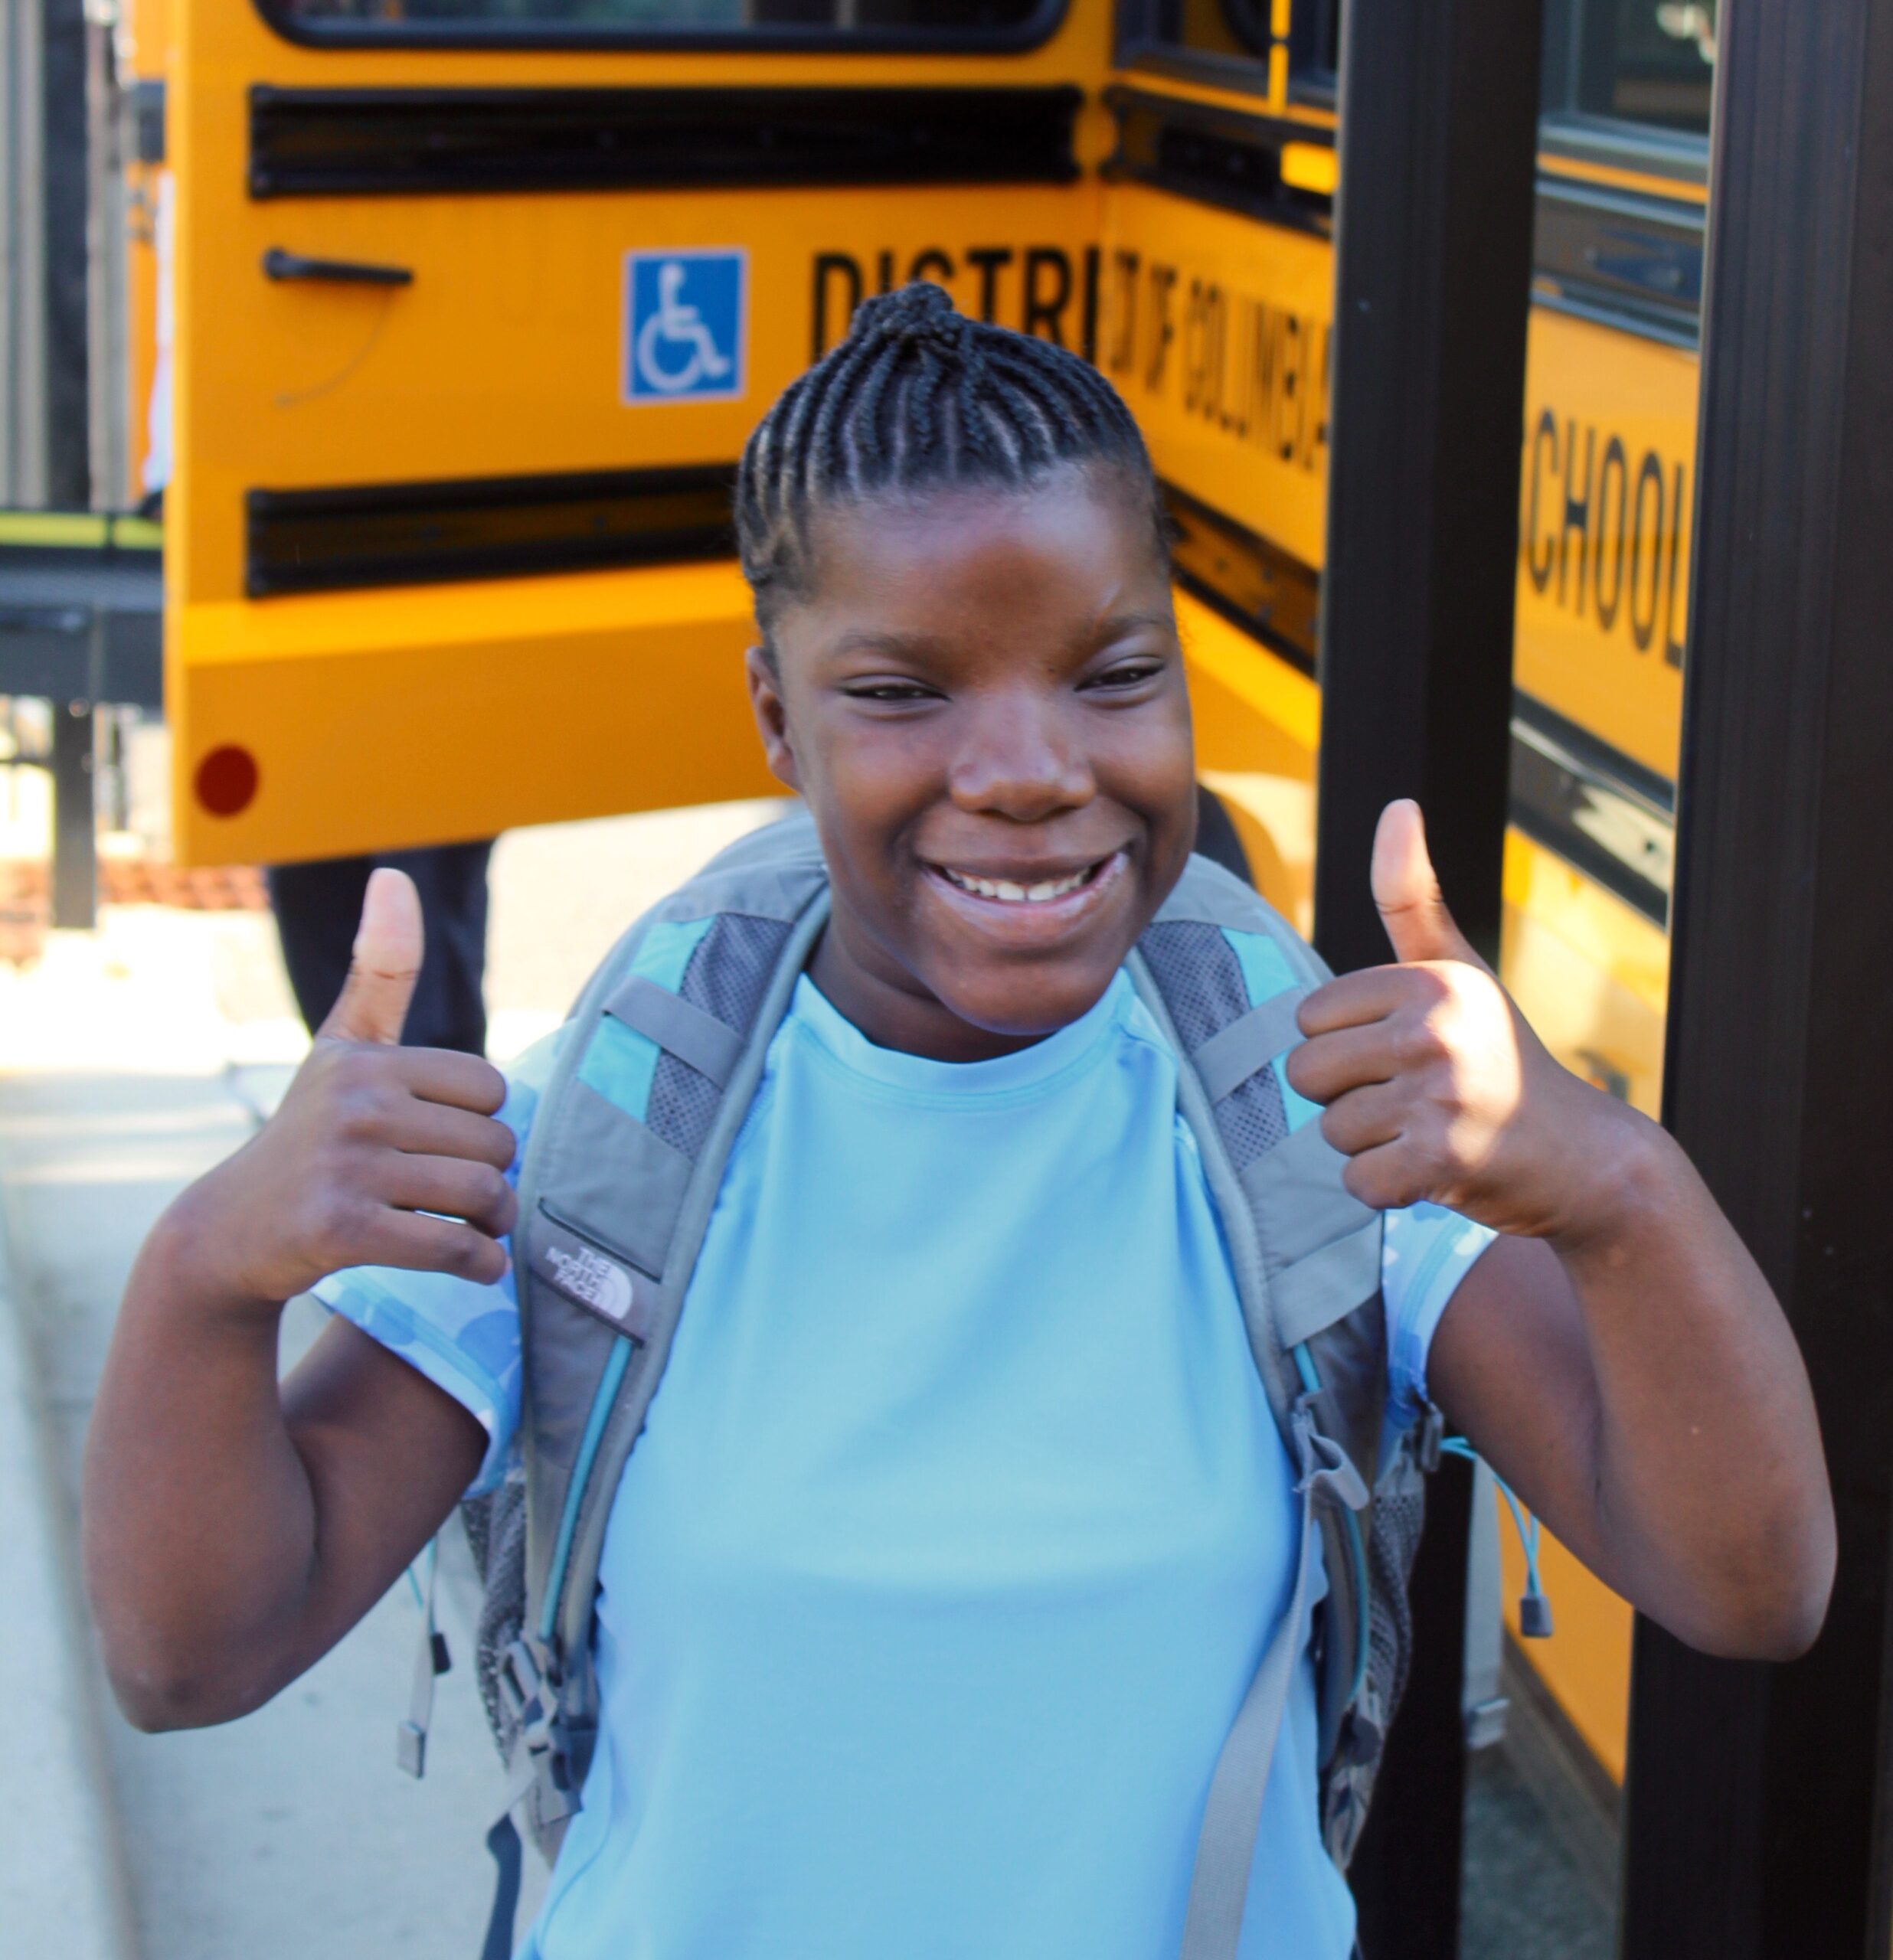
<point x="542" y="1753"/>
<point x="1322" y="1467"/>
<point x="528" y="1693"/>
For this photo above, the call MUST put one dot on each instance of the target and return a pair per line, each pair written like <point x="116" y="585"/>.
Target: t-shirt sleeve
<point x="1426" y="1250"/>
<point x="463" y="1337"/>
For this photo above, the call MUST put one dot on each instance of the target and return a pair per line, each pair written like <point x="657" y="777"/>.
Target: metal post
<point x="1757" y="1813"/>
<point x="108" y="367"/>
<point x="1439" y="115"/>
<point x="23" y="321"/>
<point x="64" y="187"/>
<point x="75" y="841"/>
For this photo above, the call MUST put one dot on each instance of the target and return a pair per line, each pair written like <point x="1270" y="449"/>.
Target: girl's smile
<point x="1029" y="903"/>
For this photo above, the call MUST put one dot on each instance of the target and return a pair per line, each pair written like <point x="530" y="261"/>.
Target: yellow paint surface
<point x="1310" y="167"/>
<point x="1606" y="501"/>
<point x="1258" y="722"/>
<point x="381" y="719"/>
<point x="1585" y="1664"/>
<point x="1216" y="331"/>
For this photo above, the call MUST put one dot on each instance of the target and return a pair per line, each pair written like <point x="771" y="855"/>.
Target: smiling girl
<point x="959" y="1519"/>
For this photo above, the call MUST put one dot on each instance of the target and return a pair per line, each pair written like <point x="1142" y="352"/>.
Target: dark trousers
<point x="318" y="906"/>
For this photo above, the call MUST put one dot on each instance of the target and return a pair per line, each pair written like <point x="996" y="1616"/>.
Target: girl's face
<point x="982" y="702"/>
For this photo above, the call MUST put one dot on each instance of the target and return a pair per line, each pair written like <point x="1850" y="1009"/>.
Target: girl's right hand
<point x="378" y="1155"/>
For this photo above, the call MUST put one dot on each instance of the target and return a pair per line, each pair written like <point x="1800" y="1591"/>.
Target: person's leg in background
<point x="449" y="1008"/>
<point x="319" y="905"/>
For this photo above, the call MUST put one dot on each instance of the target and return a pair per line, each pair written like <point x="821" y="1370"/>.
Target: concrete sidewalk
<point x="63" y="1892"/>
<point x="131" y="1059"/>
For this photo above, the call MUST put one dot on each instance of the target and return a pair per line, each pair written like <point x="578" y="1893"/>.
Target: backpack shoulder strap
<point x="1225" y="973"/>
<point x="626" y="1152"/>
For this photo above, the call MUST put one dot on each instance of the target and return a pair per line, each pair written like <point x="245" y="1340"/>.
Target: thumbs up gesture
<point x="1432" y="1083"/>
<point x="379" y="1156"/>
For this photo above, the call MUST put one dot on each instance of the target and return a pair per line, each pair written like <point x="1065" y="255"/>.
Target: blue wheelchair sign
<point x="685" y="317"/>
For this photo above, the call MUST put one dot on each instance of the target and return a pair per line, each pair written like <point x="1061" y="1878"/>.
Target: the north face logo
<point x="590" y="1277"/>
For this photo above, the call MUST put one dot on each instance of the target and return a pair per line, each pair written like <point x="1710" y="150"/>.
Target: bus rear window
<point x="733" y="23"/>
<point x="1232" y="43"/>
<point x="1649" y="62"/>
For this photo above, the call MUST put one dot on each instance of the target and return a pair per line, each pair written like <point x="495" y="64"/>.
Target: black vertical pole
<point x="65" y="176"/>
<point x="1439" y="118"/>
<point x="1756" y="1809"/>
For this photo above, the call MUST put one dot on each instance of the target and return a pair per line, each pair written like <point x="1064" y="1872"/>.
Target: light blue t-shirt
<point x="957" y="1531"/>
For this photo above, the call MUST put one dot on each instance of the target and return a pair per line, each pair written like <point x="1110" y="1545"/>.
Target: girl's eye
<point x="890" y="690"/>
<point x="1130" y="673"/>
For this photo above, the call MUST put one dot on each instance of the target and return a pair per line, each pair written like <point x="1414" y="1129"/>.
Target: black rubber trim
<point x="416" y="534"/>
<point x="1549" y="803"/>
<point x="1274" y="597"/>
<point x="1542" y="805"/>
<point x="1637" y="779"/>
<point x="347" y="142"/>
<point x="1216" y="156"/>
<point x="1632" y="260"/>
<point x="784" y="35"/>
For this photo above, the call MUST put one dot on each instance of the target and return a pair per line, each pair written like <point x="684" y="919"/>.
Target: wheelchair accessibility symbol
<point x="683" y="325"/>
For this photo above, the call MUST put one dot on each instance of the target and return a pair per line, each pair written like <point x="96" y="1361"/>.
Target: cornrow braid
<point x="919" y="397"/>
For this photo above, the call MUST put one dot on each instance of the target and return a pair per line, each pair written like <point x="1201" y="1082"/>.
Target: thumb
<point x="374" y="1000"/>
<point x="1407" y="891"/>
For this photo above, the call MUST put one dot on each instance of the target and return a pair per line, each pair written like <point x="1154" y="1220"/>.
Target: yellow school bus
<point x="473" y="302"/>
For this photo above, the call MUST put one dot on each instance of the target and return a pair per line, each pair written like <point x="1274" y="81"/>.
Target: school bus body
<point x="360" y="457"/>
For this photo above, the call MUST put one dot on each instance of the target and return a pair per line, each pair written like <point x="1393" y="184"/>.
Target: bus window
<point x="1649" y="62"/>
<point x="1228" y="38"/>
<point x="1255" y="47"/>
<point x="1314" y="40"/>
<point x="515" y="23"/>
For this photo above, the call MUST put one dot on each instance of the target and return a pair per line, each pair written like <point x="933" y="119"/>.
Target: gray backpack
<point x="627" y="1150"/>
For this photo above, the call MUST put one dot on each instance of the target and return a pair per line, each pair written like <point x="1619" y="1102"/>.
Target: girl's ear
<point x="772" y="717"/>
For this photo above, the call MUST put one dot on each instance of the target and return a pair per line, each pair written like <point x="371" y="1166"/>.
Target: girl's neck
<point x="894" y="1010"/>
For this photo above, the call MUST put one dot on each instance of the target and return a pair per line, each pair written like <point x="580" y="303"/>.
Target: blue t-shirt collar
<point x="1030" y="1067"/>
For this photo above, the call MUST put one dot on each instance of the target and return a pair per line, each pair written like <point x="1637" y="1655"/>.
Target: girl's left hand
<point x="1433" y="1083"/>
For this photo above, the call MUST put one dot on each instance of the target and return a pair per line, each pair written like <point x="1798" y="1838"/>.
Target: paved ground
<point x="1525" y="1897"/>
<point x="130" y="1060"/>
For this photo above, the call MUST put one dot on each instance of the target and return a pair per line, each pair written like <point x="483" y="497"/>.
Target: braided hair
<point x="919" y="397"/>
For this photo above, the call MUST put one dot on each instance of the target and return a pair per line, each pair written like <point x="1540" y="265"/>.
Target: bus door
<point x="475" y="302"/>
<point x="1218" y="279"/>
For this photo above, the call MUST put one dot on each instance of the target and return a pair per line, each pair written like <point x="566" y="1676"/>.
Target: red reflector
<point x="226" y="780"/>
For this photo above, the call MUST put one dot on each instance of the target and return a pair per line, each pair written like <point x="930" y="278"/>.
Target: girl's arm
<point x="1617" y="1357"/>
<point x="233" y="1529"/>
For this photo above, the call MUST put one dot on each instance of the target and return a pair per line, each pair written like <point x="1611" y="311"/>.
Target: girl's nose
<point x="1017" y="762"/>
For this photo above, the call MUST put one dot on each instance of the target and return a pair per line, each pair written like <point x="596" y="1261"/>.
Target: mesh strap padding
<point x="1391" y="1545"/>
<point x="1196" y="970"/>
<point x="496" y="1531"/>
<point x="727" y="976"/>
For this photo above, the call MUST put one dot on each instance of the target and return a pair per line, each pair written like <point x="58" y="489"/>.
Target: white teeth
<point x="1009" y="894"/>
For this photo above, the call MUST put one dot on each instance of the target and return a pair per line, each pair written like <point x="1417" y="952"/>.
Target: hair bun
<point x="914" y="314"/>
